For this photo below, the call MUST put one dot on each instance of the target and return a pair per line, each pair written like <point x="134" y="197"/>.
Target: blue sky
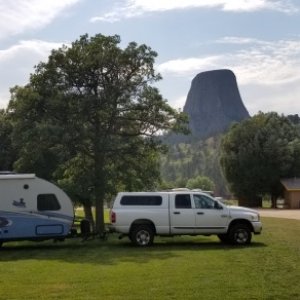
<point x="259" y="40"/>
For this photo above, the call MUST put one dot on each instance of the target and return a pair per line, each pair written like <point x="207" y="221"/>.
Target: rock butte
<point x="214" y="103"/>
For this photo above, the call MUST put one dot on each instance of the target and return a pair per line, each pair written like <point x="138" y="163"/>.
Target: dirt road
<point x="280" y="213"/>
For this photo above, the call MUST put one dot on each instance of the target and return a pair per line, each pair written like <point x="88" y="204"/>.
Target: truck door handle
<point x="200" y="213"/>
<point x="176" y="213"/>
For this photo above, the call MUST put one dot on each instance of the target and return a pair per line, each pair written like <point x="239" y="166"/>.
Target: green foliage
<point x="76" y="178"/>
<point x="185" y="161"/>
<point x="257" y="153"/>
<point x="178" y="268"/>
<point x="7" y="151"/>
<point x="89" y="119"/>
<point x="201" y="182"/>
<point x="35" y="137"/>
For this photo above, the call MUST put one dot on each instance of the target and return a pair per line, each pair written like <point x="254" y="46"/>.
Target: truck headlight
<point x="255" y="217"/>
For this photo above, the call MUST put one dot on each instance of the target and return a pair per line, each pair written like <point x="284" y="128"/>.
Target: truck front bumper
<point x="257" y="227"/>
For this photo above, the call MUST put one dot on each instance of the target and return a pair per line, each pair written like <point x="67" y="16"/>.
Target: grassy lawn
<point x="174" y="268"/>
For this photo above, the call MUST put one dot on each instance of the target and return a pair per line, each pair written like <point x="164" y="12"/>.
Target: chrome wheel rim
<point x="241" y="236"/>
<point x="143" y="237"/>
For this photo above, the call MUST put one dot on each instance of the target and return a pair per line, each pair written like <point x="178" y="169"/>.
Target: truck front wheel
<point x="240" y="234"/>
<point x="224" y="238"/>
<point x="142" y="235"/>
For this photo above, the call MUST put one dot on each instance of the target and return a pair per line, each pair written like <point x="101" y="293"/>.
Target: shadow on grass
<point x="113" y="251"/>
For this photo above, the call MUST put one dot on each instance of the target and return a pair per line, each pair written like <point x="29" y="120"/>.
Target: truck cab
<point x="195" y="213"/>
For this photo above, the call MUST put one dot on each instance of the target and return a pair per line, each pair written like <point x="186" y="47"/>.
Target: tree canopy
<point x="7" y="152"/>
<point x="257" y="153"/>
<point x="201" y="182"/>
<point x="89" y="117"/>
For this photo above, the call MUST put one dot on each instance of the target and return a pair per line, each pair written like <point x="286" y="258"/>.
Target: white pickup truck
<point x="142" y="215"/>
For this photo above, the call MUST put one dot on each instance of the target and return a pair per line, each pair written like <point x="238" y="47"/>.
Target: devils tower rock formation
<point x="213" y="103"/>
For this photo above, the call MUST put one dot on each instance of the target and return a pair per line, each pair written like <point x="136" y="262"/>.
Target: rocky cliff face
<point x="213" y="103"/>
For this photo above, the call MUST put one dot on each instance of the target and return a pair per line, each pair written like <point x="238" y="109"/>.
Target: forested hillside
<point x="184" y="161"/>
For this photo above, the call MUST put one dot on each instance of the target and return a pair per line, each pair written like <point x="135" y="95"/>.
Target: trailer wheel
<point x="142" y="235"/>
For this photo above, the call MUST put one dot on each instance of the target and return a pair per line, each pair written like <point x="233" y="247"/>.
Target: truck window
<point x="202" y="201"/>
<point x="47" y="202"/>
<point x="141" y="200"/>
<point x="183" y="201"/>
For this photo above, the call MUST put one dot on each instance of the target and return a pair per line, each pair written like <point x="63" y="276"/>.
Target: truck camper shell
<point x="32" y="208"/>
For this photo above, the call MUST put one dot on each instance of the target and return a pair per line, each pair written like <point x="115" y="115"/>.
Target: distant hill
<point x="189" y="160"/>
<point x="214" y="103"/>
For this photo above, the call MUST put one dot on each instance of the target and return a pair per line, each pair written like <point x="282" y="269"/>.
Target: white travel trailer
<point x="33" y="209"/>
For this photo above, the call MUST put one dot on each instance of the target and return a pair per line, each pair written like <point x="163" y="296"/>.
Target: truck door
<point x="182" y="216"/>
<point x="210" y="217"/>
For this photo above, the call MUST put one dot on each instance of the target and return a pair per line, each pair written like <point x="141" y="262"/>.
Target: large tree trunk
<point x="87" y="207"/>
<point x="100" y="183"/>
<point x="274" y="201"/>
<point x="100" y="176"/>
<point x="100" y="227"/>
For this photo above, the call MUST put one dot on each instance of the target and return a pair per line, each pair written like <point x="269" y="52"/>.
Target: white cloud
<point x="188" y="66"/>
<point x="282" y="98"/>
<point x="266" y="63"/>
<point x="179" y="102"/>
<point x="134" y="8"/>
<point x="254" y="5"/>
<point x="18" y="16"/>
<point x="37" y="47"/>
<point x="17" y="62"/>
<point x="241" y="41"/>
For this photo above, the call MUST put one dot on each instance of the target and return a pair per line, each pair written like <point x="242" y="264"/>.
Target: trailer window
<point x="141" y="200"/>
<point x="47" y="202"/>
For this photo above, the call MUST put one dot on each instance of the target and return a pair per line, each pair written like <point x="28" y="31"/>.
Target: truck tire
<point x="240" y="234"/>
<point x="1" y="243"/>
<point x="224" y="238"/>
<point x="142" y="235"/>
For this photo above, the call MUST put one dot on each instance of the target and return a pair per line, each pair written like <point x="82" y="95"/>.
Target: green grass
<point x="173" y="268"/>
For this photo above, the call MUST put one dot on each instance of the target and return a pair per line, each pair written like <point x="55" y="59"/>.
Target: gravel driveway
<point x="280" y="213"/>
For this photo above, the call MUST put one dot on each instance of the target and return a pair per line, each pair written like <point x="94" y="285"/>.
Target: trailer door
<point x="48" y="206"/>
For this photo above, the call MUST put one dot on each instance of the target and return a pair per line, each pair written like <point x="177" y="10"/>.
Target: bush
<point x="201" y="182"/>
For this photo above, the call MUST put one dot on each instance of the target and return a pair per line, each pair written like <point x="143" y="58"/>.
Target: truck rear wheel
<point x="142" y="235"/>
<point x="240" y="234"/>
